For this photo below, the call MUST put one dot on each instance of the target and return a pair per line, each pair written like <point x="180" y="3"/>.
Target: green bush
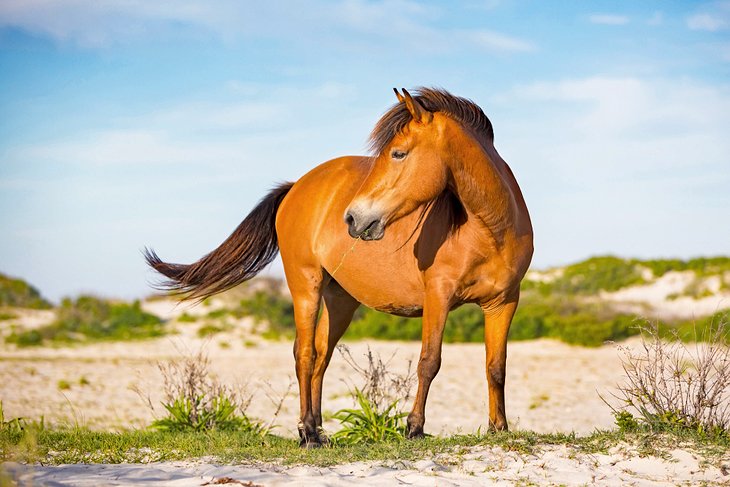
<point x="375" y="324"/>
<point x="271" y="308"/>
<point x="536" y="317"/>
<point x="186" y="318"/>
<point x="702" y="266"/>
<point x="209" y="329"/>
<point x="368" y="425"/>
<point x="605" y="273"/>
<point x="202" y="414"/>
<point x="16" y="292"/>
<point x="88" y="318"/>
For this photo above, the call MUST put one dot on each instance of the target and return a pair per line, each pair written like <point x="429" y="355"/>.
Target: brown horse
<point x="435" y="220"/>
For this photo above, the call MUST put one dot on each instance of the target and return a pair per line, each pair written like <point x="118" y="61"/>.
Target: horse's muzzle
<point x="366" y="228"/>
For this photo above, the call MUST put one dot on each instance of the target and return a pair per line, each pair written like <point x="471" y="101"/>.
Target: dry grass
<point x="672" y="384"/>
<point x="381" y="386"/>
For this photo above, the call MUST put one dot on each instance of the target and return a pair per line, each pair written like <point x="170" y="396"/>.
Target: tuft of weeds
<point x="195" y="401"/>
<point x="186" y="318"/>
<point x="210" y="329"/>
<point x="366" y="424"/>
<point x="671" y="386"/>
<point x="63" y="385"/>
<point x="378" y="417"/>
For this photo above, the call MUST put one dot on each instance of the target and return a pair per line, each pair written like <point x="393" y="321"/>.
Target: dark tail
<point x="250" y="248"/>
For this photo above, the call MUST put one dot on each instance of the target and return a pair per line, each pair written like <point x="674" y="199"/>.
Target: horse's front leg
<point x="435" y="310"/>
<point x="497" y="320"/>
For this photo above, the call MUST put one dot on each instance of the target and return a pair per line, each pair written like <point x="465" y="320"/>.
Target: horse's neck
<point x="480" y="176"/>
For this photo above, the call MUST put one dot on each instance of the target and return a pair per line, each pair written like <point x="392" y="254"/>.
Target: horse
<point x="433" y="219"/>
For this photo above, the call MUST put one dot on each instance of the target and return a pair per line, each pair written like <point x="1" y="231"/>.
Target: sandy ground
<point x="555" y="465"/>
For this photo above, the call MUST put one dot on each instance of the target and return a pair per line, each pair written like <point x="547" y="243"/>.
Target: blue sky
<point x="132" y="123"/>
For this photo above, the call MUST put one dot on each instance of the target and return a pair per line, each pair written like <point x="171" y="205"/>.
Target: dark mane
<point x="397" y="117"/>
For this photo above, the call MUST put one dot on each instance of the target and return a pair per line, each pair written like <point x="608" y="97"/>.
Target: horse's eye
<point x="398" y="155"/>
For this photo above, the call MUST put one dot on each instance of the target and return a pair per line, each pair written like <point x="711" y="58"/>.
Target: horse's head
<point x="408" y="170"/>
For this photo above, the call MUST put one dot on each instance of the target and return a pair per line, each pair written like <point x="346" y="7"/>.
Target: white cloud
<point x="706" y="22"/>
<point x="93" y="24"/>
<point x="493" y="41"/>
<point x="608" y="19"/>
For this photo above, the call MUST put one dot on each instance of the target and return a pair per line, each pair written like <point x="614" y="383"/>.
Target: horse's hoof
<point x="496" y="428"/>
<point x="323" y="438"/>
<point x="415" y="433"/>
<point x="308" y="445"/>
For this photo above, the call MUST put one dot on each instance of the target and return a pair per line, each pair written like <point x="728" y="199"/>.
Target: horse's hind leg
<point x="306" y="289"/>
<point x="339" y="307"/>
<point x="496" y="327"/>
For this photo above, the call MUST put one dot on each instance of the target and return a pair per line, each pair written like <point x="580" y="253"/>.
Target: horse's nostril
<point x="349" y="219"/>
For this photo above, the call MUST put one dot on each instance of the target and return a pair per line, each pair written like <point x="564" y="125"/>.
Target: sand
<point x="555" y="465"/>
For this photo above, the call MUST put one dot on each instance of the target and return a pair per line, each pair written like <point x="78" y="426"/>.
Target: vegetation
<point x="366" y="424"/>
<point x="18" y="293"/>
<point x="195" y="401"/>
<point x="87" y="319"/>
<point x="590" y="276"/>
<point x="78" y="445"/>
<point x="269" y="307"/>
<point x="669" y="386"/>
<point x="537" y="317"/>
<point x="7" y="315"/>
<point x="378" y="416"/>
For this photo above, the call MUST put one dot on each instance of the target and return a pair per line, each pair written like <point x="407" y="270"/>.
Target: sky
<point x="128" y="123"/>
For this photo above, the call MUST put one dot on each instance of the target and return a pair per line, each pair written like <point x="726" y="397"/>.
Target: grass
<point x="83" y="445"/>
<point x="7" y="315"/>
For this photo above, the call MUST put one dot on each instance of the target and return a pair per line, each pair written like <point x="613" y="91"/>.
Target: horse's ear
<point x="419" y="114"/>
<point x="399" y="96"/>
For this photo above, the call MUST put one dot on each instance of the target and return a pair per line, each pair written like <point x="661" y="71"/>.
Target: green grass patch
<point x="88" y="319"/>
<point x="186" y="318"/>
<point x="82" y="445"/>
<point x="7" y="315"/>
<point x="209" y="329"/>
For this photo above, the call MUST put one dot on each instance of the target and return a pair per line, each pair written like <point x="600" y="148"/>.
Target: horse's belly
<point x="382" y="279"/>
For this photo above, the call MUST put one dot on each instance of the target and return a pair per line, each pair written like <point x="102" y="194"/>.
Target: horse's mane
<point x="397" y="117"/>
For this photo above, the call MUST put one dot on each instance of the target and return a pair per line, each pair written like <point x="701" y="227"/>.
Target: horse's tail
<point x="250" y="248"/>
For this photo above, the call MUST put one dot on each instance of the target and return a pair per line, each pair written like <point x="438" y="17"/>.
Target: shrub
<point x="208" y="330"/>
<point x="7" y="315"/>
<point x="186" y="318"/>
<point x="195" y="401"/>
<point x="271" y="308"/>
<point x="378" y="417"/>
<point x="367" y="424"/>
<point x="536" y="317"/>
<point x="384" y="326"/>
<point x="605" y="273"/>
<point x="669" y="386"/>
<point x="88" y="318"/>
<point x="16" y="292"/>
